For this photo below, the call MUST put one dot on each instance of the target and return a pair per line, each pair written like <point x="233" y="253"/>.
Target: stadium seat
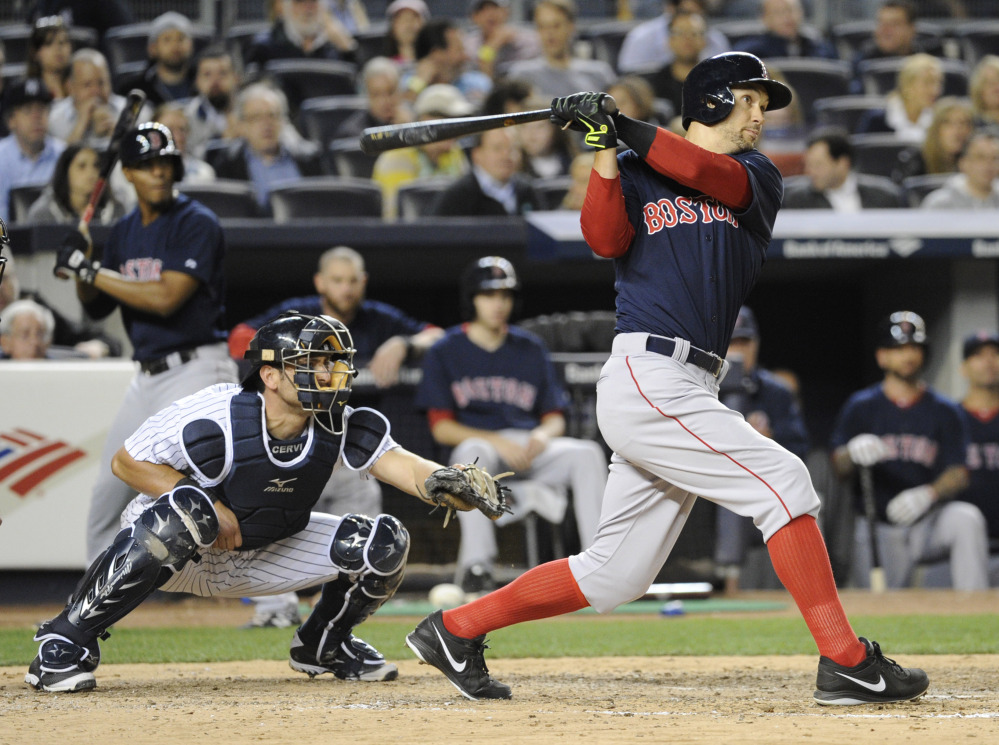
<point x="346" y="159"/>
<point x="239" y="38"/>
<point x="320" y="117"/>
<point x="417" y="198"/>
<point x="850" y="36"/>
<point x="845" y="111"/>
<point x="977" y="38"/>
<point x="325" y="196"/>
<point x="605" y="39"/>
<point x="739" y="29"/>
<point x="917" y="187"/>
<point x="308" y="78"/>
<point x="21" y="199"/>
<point x="876" y="154"/>
<point x="129" y="43"/>
<point x="227" y="198"/>
<point x="812" y="78"/>
<point x="551" y="191"/>
<point x="371" y="42"/>
<point x="880" y="75"/>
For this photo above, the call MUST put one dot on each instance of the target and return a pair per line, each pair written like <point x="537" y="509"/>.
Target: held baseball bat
<point x="392" y="136"/>
<point x="126" y="120"/>
<point x="877" y="576"/>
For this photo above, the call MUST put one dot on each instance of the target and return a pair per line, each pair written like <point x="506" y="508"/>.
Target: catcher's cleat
<point x="59" y="668"/>
<point x="461" y="660"/>
<point x="352" y="659"/>
<point x="876" y="680"/>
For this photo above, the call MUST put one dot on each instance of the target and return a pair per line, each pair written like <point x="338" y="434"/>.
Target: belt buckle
<point x="717" y="365"/>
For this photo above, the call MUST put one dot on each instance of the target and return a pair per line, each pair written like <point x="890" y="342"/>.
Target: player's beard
<point x="220" y="101"/>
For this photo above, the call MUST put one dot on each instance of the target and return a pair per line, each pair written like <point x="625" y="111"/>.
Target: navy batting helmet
<point x="321" y="351"/>
<point x="484" y="275"/>
<point x="707" y="89"/>
<point x="148" y="141"/>
<point x="900" y="328"/>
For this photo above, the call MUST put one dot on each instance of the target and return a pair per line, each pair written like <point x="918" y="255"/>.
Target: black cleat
<point x="461" y="660"/>
<point x="876" y="680"/>
<point x="352" y="659"/>
<point x="62" y="667"/>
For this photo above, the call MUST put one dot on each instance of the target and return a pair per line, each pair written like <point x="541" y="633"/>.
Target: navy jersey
<point x="693" y="260"/>
<point x="509" y="388"/>
<point x="983" y="467"/>
<point x="186" y="238"/>
<point x="763" y="394"/>
<point x="924" y="439"/>
<point x="373" y="325"/>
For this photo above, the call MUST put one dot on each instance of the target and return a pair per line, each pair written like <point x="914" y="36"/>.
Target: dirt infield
<point x="605" y="700"/>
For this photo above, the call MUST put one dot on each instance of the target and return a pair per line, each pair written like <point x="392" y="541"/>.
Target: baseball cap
<point x="417" y="6"/>
<point x="475" y="5"/>
<point x="745" y="325"/>
<point x="27" y="91"/>
<point x="442" y="99"/>
<point x="169" y="21"/>
<point x="979" y="339"/>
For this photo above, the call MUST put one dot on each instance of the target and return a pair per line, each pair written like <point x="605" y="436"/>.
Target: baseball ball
<point x="446" y="596"/>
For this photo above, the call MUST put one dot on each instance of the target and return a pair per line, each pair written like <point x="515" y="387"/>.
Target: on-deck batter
<point x="687" y="222"/>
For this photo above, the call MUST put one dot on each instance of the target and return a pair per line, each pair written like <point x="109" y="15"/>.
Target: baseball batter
<point x="162" y="265"/>
<point x="687" y="222"/>
<point x="227" y="479"/>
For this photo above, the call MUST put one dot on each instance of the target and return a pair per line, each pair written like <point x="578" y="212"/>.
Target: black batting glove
<point x="72" y="261"/>
<point x="589" y="113"/>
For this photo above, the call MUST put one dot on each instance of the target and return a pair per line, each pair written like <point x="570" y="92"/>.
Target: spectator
<point x="351" y="13"/>
<point x="909" y="108"/>
<point x="547" y="151"/>
<point x="786" y="35"/>
<point x="770" y="407"/>
<point x="494" y="186"/>
<point x="493" y="42"/>
<point x="305" y="29"/>
<point x="28" y="154"/>
<point x="380" y="81"/>
<point x="974" y="187"/>
<point x="406" y="18"/>
<point x="914" y="442"/>
<point x="438" y="159"/>
<point x="491" y="394"/>
<point x="948" y="133"/>
<point x="831" y="180"/>
<point x="647" y="47"/>
<point x="635" y="99"/>
<point x="49" y="50"/>
<point x="258" y="154"/>
<point x="170" y="49"/>
<point x="26" y="331"/>
<point x="211" y="113"/>
<point x="687" y="40"/>
<point x="980" y="408"/>
<point x="558" y="72"/>
<point x="99" y="16"/>
<point x="441" y="58"/>
<point x="984" y="90"/>
<point x="173" y="115"/>
<point x="509" y="95"/>
<point x="894" y="35"/>
<point x="64" y="200"/>
<point x="88" y="114"/>
<point x="579" y="171"/>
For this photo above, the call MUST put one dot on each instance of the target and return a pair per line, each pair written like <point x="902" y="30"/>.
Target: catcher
<point x="226" y="480"/>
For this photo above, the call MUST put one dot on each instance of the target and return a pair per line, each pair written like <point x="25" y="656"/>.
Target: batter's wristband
<point x="636" y="134"/>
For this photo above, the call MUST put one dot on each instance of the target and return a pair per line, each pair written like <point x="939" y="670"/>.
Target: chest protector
<point x="271" y="499"/>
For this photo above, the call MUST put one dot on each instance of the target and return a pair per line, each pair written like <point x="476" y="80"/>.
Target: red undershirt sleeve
<point x="604" y="220"/>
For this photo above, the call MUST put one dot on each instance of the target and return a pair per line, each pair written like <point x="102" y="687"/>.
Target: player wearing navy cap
<point x="162" y="266"/>
<point x="915" y="443"/>
<point x="687" y="222"/>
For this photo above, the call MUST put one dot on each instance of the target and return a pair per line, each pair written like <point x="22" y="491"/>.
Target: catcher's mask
<point x="4" y="243"/>
<point x="707" y="90"/>
<point x="320" y="351"/>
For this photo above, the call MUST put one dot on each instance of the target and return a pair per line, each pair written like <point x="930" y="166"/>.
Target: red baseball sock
<point x="545" y="591"/>
<point x="801" y="561"/>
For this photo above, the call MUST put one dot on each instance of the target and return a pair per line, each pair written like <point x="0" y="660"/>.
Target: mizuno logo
<point x="281" y="485"/>
<point x="876" y="687"/>
<point x="447" y="653"/>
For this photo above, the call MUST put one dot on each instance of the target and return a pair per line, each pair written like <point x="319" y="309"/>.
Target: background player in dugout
<point x="915" y="442"/>
<point x="162" y="266"/>
<point x="384" y="337"/>
<point x="227" y="479"/>
<point x="491" y="394"/>
<point x="687" y="222"/>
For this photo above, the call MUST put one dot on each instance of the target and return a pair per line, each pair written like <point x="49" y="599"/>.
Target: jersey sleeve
<point x="953" y="437"/>
<point x="552" y="396"/>
<point x="848" y="424"/>
<point x="768" y="190"/>
<point x="434" y="391"/>
<point x="194" y="245"/>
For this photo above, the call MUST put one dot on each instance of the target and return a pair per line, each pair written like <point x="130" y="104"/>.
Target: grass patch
<point x="578" y="635"/>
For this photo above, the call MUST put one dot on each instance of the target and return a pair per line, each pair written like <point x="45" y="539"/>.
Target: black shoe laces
<point x="880" y="657"/>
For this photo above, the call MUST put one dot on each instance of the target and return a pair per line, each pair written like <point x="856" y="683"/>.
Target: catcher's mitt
<point x="467" y="487"/>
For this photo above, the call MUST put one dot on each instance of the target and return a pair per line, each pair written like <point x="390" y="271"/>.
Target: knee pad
<point x="365" y="545"/>
<point x="177" y="524"/>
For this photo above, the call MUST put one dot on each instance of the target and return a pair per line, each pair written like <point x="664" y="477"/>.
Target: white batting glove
<point x="866" y="450"/>
<point x="908" y="506"/>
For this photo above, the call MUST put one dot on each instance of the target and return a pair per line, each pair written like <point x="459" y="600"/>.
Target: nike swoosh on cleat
<point x="876" y="687"/>
<point x="447" y="653"/>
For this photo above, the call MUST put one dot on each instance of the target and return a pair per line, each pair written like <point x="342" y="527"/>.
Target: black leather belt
<point x="697" y="357"/>
<point x="172" y="360"/>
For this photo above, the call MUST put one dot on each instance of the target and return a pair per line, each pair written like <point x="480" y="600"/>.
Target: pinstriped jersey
<point x="693" y="260"/>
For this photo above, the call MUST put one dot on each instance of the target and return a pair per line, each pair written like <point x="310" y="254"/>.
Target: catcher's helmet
<point x="900" y="328"/>
<point x="148" y="141"/>
<point x="321" y="351"/>
<point x="707" y="90"/>
<point x="4" y="243"/>
<point x="486" y="274"/>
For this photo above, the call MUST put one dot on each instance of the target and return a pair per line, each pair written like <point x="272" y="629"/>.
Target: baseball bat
<point x="126" y="120"/>
<point x="877" y="576"/>
<point x="376" y="140"/>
